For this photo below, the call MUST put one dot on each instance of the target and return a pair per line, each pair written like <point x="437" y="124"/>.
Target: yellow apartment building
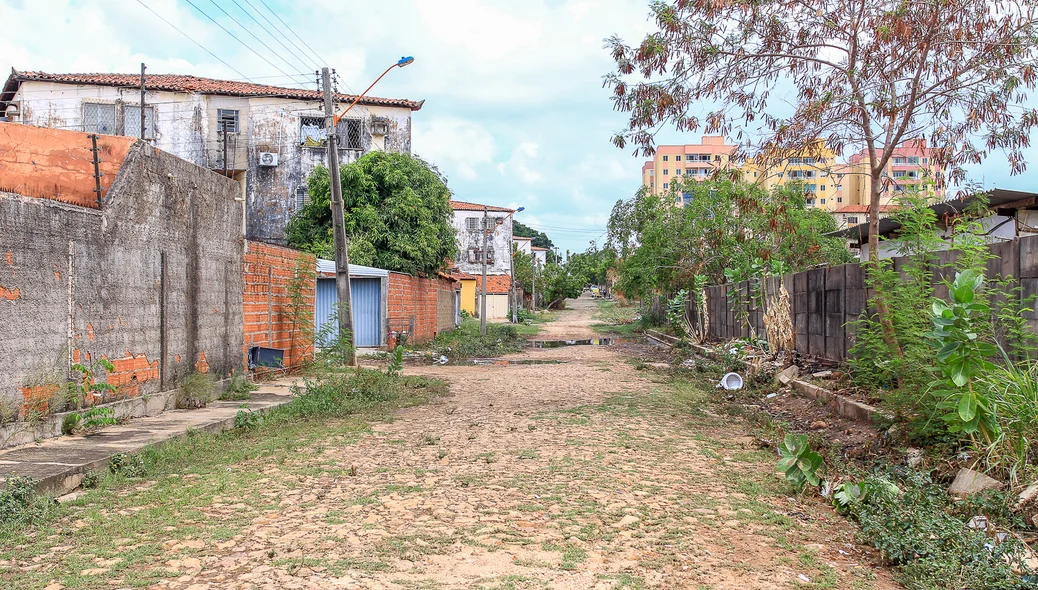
<point x="673" y="164"/>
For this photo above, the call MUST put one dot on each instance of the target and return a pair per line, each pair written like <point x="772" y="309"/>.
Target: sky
<point x="515" y="112"/>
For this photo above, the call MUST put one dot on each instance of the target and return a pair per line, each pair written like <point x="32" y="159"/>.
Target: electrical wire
<point x="190" y="38"/>
<point x="221" y="9"/>
<point x="315" y="65"/>
<point x="267" y="31"/>
<point x="316" y="56"/>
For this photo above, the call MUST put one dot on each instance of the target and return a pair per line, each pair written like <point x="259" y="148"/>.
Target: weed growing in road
<point x="196" y="391"/>
<point x="127" y="465"/>
<point x="21" y="504"/>
<point x="246" y="419"/>
<point x="238" y="387"/>
<point x="89" y="421"/>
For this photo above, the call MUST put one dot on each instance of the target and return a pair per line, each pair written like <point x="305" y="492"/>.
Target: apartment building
<point x="911" y="166"/>
<point x="268" y="138"/>
<point x="674" y="164"/>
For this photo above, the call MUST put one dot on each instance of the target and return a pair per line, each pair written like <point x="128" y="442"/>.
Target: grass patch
<point x="466" y="342"/>
<point x="205" y="486"/>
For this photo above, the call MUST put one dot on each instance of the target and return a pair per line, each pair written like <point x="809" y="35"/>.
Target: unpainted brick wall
<point x="151" y="281"/>
<point x="274" y="316"/>
<point x="413" y="306"/>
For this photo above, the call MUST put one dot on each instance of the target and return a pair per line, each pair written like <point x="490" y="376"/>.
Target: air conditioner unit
<point x="380" y="128"/>
<point x="268" y="159"/>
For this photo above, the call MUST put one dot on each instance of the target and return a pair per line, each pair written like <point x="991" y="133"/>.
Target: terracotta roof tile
<point x="185" y="83"/>
<point x="463" y="206"/>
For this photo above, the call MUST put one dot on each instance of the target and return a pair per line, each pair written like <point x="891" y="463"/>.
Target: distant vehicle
<point x="596" y="293"/>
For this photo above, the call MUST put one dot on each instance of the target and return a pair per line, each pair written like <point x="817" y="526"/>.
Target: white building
<point x="269" y="138"/>
<point x="469" y="221"/>
<point x="521" y="244"/>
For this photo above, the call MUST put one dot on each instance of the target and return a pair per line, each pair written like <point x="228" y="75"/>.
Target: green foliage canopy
<point x="724" y="225"/>
<point x="397" y="214"/>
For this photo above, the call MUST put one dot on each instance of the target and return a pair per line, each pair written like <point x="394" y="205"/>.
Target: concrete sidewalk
<point x="59" y="464"/>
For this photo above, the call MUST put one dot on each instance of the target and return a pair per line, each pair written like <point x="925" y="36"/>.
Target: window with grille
<point x="351" y="134"/>
<point x="852" y="220"/>
<point x="132" y="121"/>
<point x="227" y="120"/>
<point x="472" y="224"/>
<point x="312" y="132"/>
<point x="490" y="254"/>
<point x="99" y="118"/>
<point x="302" y="196"/>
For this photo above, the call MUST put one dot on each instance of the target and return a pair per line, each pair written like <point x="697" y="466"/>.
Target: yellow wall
<point x="468" y="295"/>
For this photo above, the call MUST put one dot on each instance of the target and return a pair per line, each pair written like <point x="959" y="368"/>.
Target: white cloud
<point x="523" y="163"/>
<point x="454" y="144"/>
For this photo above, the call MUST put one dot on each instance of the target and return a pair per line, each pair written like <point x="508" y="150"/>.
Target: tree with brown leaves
<point x="861" y="75"/>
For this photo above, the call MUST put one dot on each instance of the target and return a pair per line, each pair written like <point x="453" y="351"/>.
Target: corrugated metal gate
<point x="367" y="310"/>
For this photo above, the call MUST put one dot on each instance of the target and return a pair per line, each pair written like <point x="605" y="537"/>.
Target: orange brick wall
<point x="268" y="271"/>
<point x="412" y="305"/>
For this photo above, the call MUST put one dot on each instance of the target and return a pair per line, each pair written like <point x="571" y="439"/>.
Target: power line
<point x="272" y="35"/>
<point x="260" y="41"/>
<point x="193" y="41"/>
<point x="316" y="65"/>
<point x="318" y="57"/>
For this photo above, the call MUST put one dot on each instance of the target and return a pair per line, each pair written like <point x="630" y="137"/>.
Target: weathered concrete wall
<point x="152" y="281"/>
<point x="280" y="287"/>
<point x="471" y="240"/>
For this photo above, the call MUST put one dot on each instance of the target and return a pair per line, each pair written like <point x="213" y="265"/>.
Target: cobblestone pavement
<point x="585" y="474"/>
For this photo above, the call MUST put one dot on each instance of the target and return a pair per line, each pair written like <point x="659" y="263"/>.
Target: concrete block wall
<point x="151" y="281"/>
<point x="414" y="306"/>
<point x="273" y="316"/>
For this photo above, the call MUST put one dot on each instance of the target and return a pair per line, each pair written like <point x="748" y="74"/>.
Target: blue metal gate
<point x="367" y="310"/>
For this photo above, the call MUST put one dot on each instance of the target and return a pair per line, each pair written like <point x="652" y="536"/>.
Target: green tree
<point x="727" y="230"/>
<point x="397" y="214"/>
<point x="540" y="239"/>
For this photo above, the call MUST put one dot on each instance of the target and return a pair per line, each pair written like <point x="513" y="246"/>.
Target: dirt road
<point x="584" y="474"/>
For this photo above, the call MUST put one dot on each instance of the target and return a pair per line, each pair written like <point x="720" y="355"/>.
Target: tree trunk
<point x="882" y="310"/>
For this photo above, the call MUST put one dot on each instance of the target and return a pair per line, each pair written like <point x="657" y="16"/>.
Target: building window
<point x="852" y="219"/>
<point x="678" y="172"/>
<point x="839" y="199"/>
<point x="664" y="185"/>
<point x="913" y="160"/>
<point x="227" y="120"/>
<point x="821" y="188"/>
<point x="924" y="160"/>
<point x="351" y="134"/>
<point x="717" y="157"/>
<point x="899" y="174"/>
<point x="132" y="121"/>
<point x="312" y="132"/>
<point x="665" y="158"/>
<point x="666" y="171"/>
<point x="302" y="196"/>
<point x="677" y="158"/>
<point x="472" y="223"/>
<point x="898" y="161"/>
<point x="99" y="118"/>
<point x="686" y="198"/>
<point x="794" y="160"/>
<point x="809" y="160"/>
<point x="823" y="201"/>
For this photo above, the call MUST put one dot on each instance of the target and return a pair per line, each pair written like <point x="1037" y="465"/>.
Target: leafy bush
<point x="1013" y="390"/>
<point x="799" y="463"/>
<point x="932" y="548"/>
<point x="20" y="502"/>
<point x="396" y="361"/>
<point x="466" y="342"/>
<point x="238" y="387"/>
<point x="90" y="420"/>
<point x="246" y="419"/>
<point x="196" y="392"/>
<point x="127" y="465"/>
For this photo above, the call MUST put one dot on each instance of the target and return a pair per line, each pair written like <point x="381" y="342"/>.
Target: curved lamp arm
<point x="403" y="61"/>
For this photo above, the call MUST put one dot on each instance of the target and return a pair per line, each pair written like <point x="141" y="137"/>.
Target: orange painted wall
<point x="57" y="164"/>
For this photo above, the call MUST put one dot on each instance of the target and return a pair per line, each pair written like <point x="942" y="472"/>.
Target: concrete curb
<point x="840" y="405"/>
<point x="60" y="464"/>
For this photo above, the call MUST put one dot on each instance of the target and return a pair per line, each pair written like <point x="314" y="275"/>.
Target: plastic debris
<point x="731" y="382"/>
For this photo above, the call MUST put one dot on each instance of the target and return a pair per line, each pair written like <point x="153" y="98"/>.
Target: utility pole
<point x="342" y="258"/>
<point x="514" y="299"/>
<point x="533" y="296"/>
<point x="142" y="106"/>
<point x="483" y="289"/>
<point x="223" y="125"/>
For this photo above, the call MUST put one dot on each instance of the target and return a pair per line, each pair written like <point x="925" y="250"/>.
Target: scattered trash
<point x="788" y="374"/>
<point x="822" y="374"/>
<point x="731" y="382"/>
<point x="443" y="359"/>
<point x="804" y="578"/>
<point x="771" y="395"/>
<point x="915" y="457"/>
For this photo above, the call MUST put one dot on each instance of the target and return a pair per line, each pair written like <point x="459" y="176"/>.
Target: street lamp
<point x="483" y="255"/>
<point x="342" y="258"/>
